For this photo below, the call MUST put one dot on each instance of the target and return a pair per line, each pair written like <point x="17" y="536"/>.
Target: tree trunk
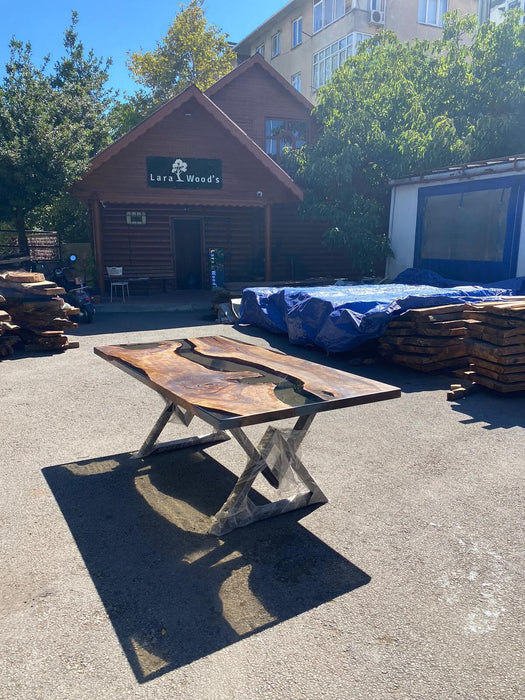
<point x="20" y="225"/>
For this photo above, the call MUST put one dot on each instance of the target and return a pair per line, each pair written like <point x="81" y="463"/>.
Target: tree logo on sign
<point x="179" y="166"/>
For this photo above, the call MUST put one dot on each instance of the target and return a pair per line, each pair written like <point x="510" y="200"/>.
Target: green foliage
<point x="398" y="108"/>
<point x="51" y="124"/>
<point x="125" y="115"/>
<point x="193" y="52"/>
<point x="65" y="215"/>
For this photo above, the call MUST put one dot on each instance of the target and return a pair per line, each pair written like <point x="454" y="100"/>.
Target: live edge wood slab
<point x="231" y="384"/>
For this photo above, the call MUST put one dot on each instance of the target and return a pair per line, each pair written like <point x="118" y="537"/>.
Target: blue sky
<point x="113" y="27"/>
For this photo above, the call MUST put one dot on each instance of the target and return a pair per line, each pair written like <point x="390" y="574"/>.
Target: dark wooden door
<point x="187" y="246"/>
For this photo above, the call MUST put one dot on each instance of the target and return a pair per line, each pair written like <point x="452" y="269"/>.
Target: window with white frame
<point x="260" y="49"/>
<point x="326" y="12"/>
<point x="297" y="32"/>
<point x="276" y="44"/>
<point x="431" y="12"/>
<point x="284" y="133"/>
<point x="328" y="60"/>
<point x="296" y="81"/>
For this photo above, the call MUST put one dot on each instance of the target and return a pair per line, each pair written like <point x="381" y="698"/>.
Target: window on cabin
<point x="284" y="133"/>
<point x="260" y="50"/>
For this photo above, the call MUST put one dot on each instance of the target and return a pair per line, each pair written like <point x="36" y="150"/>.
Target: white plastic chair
<point x="116" y="281"/>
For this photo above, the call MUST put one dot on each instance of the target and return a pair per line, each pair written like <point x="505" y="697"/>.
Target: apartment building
<point x="307" y="40"/>
<point x="492" y="10"/>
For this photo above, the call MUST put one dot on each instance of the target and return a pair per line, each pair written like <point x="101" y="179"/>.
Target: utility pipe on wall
<point x="268" y="243"/>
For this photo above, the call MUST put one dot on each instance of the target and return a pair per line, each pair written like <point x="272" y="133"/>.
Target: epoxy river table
<point x="231" y="385"/>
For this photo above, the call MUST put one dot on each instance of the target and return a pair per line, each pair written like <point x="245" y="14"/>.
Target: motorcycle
<point x="77" y="294"/>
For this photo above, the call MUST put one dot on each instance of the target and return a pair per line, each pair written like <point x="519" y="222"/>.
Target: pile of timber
<point x="496" y="344"/>
<point x="485" y="338"/>
<point x="428" y="339"/>
<point x="8" y="336"/>
<point x="35" y="312"/>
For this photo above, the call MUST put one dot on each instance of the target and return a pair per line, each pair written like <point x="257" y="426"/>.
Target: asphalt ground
<point x="407" y="584"/>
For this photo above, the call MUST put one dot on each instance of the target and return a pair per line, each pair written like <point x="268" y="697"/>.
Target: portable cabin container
<point x="464" y="222"/>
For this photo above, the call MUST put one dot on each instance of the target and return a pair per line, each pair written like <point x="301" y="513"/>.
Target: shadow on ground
<point x="173" y="593"/>
<point x="496" y="410"/>
<point x="109" y="322"/>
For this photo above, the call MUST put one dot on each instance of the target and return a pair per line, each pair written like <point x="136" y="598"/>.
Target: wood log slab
<point x="175" y="369"/>
<point x="189" y="381"/>
<point x="323" y="382"/>
<point x="483" y="366"/>
<point x="428" y="364"/>
<point x="498" y="386"/>
<point x="23" y="276"/>
<point x="505" y="354"/>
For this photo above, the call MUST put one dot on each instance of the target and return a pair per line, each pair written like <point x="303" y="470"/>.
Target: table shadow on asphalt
<point x="173" y="593"/>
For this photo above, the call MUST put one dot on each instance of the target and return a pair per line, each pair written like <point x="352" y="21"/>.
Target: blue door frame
<point x="476" y="270"/>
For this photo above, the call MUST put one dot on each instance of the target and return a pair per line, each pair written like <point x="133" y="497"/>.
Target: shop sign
<point x="184" y="173"/>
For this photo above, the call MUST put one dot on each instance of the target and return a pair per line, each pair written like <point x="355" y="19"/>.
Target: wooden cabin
<point x="194" y="197"/>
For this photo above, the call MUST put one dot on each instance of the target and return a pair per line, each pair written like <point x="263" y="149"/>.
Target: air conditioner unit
<point x="377" y="17"/>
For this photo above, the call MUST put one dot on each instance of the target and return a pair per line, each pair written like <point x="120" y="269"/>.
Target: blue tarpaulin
<point x="418" y="275"/>
<point x="340" y="318"/>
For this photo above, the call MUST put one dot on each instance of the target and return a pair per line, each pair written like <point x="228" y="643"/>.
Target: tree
<point x="398" y="108"/>
<point x="193" y="52"/>
<point x="51" y="124"/>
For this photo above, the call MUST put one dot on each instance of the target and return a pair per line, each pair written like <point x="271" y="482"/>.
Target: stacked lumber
<point x="496" y="344"/>
<point x="38" y="311"/>
<point x="428" y="339"/>
<point x="22" y="284"/>
<point x="8" y="337"/>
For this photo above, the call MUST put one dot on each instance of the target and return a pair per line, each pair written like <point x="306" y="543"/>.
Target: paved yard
<point x="407" y="584"/>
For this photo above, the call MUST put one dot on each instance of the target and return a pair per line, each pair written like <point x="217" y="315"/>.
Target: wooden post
<point x="268" y="243"/>
<point x="97" y="242"/>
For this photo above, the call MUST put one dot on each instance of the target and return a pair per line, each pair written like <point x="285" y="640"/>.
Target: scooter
<point x="77" y="295"/>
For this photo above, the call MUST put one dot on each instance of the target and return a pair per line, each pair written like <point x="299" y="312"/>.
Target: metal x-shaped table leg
<point x="239" y="510"/>
<point x="175" y="413"/>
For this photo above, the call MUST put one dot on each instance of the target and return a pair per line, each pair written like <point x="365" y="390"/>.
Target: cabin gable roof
<point x="190" y="99"/>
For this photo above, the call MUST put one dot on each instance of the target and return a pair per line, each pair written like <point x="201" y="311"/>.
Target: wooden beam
<point x="268" y="243"/>
<point x="94" y="206"/>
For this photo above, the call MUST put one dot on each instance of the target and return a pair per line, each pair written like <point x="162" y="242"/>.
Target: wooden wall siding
<point x="297" y="248"/>
<point x="253" y="97"/>
<point x="141" y="250"/>
<point x="122" y="179"/>
<point x="147" y="250"/>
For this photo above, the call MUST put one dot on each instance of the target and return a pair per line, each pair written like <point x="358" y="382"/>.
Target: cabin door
<point x="187" y="248"/>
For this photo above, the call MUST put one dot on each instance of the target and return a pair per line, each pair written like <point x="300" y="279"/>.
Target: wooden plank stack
<point x="35" y="307"/>
<point x="496" y="344"/>
<point x="8" y="336"/>
<point x="428" y="339"/>
<point x="486" y="338"/>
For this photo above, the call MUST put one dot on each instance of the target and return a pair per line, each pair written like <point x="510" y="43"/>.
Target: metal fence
<point x="44" y="246"/>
